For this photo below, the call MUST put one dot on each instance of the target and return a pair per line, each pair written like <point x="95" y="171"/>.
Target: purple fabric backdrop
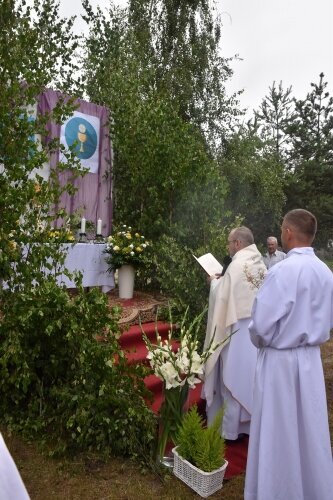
<point x="94" y="190"/>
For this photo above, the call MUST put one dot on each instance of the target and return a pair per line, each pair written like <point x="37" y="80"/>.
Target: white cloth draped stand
<point x="89" y="259"/>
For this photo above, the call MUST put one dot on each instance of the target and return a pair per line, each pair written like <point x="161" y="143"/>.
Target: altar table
<point x="89" y="259"/>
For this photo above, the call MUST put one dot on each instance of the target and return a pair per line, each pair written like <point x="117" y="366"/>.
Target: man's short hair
<point x="272" y="238"/>
<point x="303" y="221"/>
<point x="243" y="234"/>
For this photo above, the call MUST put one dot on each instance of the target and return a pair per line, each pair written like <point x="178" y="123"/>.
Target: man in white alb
<point x="273" y="255"/>
<point x="229" y="372"/>
<point x="290" y="453"/>
<point x="11" y="484"/>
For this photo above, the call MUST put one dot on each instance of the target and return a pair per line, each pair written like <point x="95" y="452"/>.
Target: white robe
<point x="289" y="454"/>
<point x="231" y="383"/>
<point x="229" y="372"/>
<point x="11" y="484"/>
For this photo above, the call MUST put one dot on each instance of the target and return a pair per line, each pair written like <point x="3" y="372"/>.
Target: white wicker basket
<point x="204" y="483"/>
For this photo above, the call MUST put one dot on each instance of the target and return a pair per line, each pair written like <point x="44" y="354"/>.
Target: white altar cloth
<point x="89" y="259"/>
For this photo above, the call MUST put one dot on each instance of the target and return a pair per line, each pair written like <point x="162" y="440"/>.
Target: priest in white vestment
<point x="290" y="454"/>
<point x="229" y="372"/>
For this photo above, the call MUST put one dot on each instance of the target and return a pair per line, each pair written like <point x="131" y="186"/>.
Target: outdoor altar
<point x="89" y="259"/>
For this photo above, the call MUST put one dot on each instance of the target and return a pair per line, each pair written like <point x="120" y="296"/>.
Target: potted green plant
<point x="199" y="455"/>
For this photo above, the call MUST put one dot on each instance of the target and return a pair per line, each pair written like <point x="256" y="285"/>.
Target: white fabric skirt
<point x="11" y="484"/>
<point x="289" y="453"/>
<point x="230" y="384"/>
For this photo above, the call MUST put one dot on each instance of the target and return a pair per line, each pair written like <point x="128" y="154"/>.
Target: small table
<point x="89" y="259"/>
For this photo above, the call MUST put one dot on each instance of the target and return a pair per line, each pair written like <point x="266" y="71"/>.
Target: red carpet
<point x="236" y="454"/>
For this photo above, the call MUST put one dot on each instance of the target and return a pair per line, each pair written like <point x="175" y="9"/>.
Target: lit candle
<point x="99" y="226"/>
<point x="83" y="225"/>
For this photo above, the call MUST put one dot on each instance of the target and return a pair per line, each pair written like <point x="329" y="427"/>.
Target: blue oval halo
<point x="83" y="133"/>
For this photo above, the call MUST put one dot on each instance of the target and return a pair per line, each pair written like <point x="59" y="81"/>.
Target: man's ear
<point x="289" y="234"/>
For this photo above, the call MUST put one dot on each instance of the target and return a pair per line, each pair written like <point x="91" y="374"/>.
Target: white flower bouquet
<point x="184" y="365"/>
<point x="180" y="369"/>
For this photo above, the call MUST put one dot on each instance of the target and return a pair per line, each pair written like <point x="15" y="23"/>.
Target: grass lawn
<point x="89" y="478"/>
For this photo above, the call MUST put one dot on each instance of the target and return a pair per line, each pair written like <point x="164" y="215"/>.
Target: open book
<point x="209" y="264"/>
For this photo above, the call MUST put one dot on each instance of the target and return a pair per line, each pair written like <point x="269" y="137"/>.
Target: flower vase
<point x="173" y="407"/>
<point x="126" y="274"/>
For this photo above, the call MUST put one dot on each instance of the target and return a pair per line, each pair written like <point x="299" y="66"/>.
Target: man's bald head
<point x="239" y="238"/>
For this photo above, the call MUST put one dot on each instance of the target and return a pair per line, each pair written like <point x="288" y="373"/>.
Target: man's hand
<point x="214" y="277"/>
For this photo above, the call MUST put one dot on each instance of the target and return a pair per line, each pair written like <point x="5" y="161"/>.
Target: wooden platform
<point x="143" y="307"/>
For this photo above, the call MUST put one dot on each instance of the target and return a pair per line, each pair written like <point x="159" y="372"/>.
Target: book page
<point x="209" y="264"/>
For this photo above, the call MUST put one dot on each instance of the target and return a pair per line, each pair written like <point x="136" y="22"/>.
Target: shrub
<point x="58" y="382"/>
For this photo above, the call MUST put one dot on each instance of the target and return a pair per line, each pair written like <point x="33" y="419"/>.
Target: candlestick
<point x="99" y="227"/>
<point x="83" y="225"/>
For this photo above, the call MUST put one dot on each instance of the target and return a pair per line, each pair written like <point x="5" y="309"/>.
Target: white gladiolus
<point x="181" y="367"/>
<point x="183" y="362"/>
<point x="192" y="381"/>
<point x="170" y="375"/>
<point x="177" y="368"/>
<point x="196" y="358"/>
<point x="166" y="354"/>
<point x="185" y="342"/>
<point x="197" y="367"/>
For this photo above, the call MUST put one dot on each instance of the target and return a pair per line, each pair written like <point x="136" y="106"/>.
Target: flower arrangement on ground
<point x="179" y="369"/>
<point x="125" y="246"/>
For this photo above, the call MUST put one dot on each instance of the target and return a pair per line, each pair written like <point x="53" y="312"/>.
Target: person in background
<point x="229" y="372"/>
<point x="290" y="454"/>
<point x="273" y="255"/>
